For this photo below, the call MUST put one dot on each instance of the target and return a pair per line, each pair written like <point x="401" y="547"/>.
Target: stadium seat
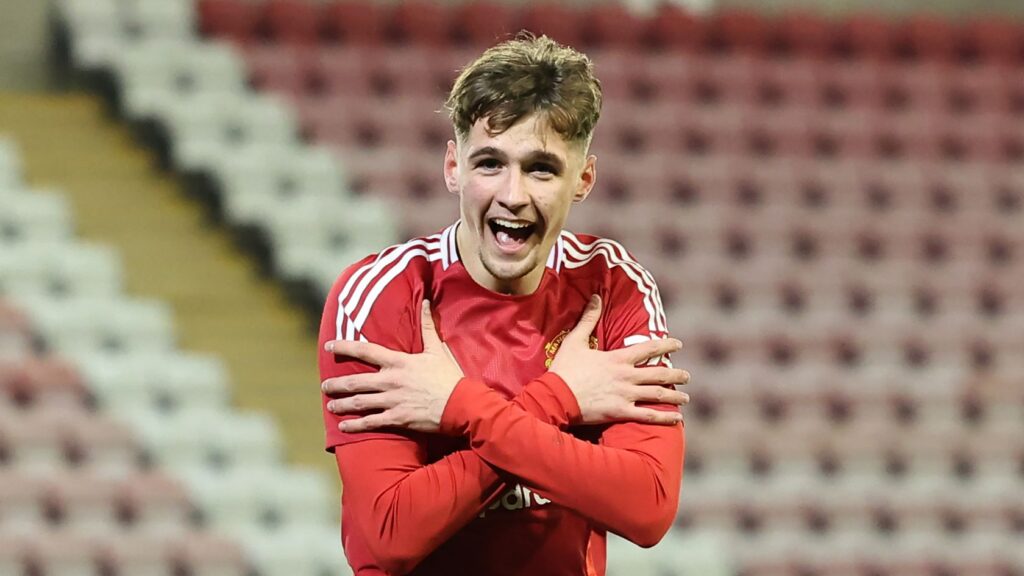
<point x="236" y="20"/>
<point x="801" y="34"/>
<point x="738" y="30"/>
<point x="293" y="22"/>
<point x="993" y="39"/>
<point x="282" y="70"/>
<point x="926" y="36"/>
<point x="422" y="23"/>
<point x="611" y="25"/>
<point x="674" y="28"/>
<point x="482" y="22"/>
<point x="41" y="215"/>
<point x="865" y="36"/>
<point x="557" y="21"/>
<point x="356" y="22"/>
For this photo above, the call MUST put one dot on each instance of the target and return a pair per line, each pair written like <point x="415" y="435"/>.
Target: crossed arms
<point x="406" y="507"/>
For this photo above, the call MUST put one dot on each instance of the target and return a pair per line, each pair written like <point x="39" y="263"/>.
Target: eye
<point x="543" y="169"/>
<point x="488" y="164"/>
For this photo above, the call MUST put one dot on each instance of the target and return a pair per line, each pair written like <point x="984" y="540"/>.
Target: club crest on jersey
<point x="551" y="348"/>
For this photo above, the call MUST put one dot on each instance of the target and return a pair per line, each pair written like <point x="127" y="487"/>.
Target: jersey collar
<point x="450" y="250"/>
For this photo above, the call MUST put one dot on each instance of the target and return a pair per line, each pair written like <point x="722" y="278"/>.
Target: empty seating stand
<point x="830" y="206"/>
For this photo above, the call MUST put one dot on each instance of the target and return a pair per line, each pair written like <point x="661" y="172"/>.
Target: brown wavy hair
<point x="526" y="75"/>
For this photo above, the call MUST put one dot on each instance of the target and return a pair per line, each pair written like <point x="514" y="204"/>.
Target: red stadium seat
<point x="994" y="39"/>
<point x="154" y="503"/>
<point x="557" y="21"/>
<point x="207" y="553"/>
<point x="801" y="34"/>
<point x="674" y="28"/>
<point x="357" y="22"/>
<point x="283" y="70"/>
<point x="611" y="24"/>
<point x="343" y="70"/>
<point x="926" y="36"/>
<point x="864" y="36"/>
<point x="421" y="22"/>
<point x="236" y="20"/>
<point x="739" y="30"/>
<point x="484" y="23"/>
<point x="293" y="21"/>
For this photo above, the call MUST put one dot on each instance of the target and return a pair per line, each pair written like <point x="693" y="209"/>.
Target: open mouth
<point x="511" y="235"/>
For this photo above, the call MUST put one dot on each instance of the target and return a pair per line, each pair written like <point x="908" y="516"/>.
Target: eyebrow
<point x="535" y="156"/>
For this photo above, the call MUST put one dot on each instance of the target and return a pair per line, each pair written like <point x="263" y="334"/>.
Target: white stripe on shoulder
<point x="626" y="259"/>
<point x="579" y="253"/>
<point x="368" y="276"/>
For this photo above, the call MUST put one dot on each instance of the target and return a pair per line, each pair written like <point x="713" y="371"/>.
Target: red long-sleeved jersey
<point x="512" y="485"/>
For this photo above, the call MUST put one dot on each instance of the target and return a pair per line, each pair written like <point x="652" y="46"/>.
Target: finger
<point x="366" y="382"/>
<point x="652" y="416"/>
<point x="588" y="321"/>
<point x="365" y="351"/>
<point x="659" y="375"/>
<point x="659" y="395"/>
<point x="642" y="352"/>
<point x="366" y="423"/>
<point x="362" y="403"/>
<point x="431" y="341"/>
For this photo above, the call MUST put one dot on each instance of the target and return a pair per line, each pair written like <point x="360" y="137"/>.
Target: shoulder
<point x="603" y="258"/>
<point x="631" y="294"/>
<point x="385" y="283"/>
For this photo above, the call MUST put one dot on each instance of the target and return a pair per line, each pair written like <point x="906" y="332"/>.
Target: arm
<point x="406" y="508"/>
<point x="640" y="462"/>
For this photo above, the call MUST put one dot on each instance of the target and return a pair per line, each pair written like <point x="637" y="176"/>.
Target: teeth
<point x="510" y="224"/>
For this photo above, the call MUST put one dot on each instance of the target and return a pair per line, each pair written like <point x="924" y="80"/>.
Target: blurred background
<point x="829" y="193"/>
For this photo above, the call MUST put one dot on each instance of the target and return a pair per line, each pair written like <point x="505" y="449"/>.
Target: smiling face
<point x="515" y="189"/>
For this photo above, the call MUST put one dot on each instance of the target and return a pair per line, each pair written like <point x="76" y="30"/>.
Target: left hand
<point x="411" y="390"/>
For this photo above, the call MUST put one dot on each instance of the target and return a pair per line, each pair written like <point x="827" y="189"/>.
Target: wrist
<point x="456" y="413"/>
<point x="561" y="397"/>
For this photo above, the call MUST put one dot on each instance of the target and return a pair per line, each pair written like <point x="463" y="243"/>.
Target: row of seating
<point x="700" y="82"/>
<point x="607" y="24"/>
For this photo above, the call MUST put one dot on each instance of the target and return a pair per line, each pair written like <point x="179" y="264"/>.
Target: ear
<point x="587" y="179"/>
<point x="451" y="167"/>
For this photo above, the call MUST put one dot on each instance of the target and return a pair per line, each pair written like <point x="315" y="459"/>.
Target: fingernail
<point x="329" y="346"/>
<point x="595" y="300"/>
<point x="323" y="387"/>
<point x="343" y="426"/>
<point x="330" y="406"/>
<point x="426" y="306"/>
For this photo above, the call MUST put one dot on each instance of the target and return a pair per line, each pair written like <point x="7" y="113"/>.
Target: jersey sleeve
<point x="634" y="311"/>
<point x="389" y="310"/>
<point x="629" y="482"/>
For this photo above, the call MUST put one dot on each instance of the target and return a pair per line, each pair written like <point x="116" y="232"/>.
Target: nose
<point x="514" y="194"/>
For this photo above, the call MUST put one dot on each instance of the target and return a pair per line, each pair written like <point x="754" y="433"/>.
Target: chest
<point x="507" y="343"/>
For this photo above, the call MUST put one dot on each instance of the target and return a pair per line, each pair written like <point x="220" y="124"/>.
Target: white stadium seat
<point x="158" y="381"/>
<point x="101" y="323"/>
<point x="34" y="216"/>
<point x="60" y="269"/>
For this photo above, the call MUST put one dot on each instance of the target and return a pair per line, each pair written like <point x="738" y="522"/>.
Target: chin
<point x="508" y="270"/>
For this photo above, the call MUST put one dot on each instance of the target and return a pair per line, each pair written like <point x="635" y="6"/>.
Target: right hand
<point x="607" y="384"/>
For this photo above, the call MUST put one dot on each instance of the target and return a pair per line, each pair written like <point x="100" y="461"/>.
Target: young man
<point x="498" y="396"/>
